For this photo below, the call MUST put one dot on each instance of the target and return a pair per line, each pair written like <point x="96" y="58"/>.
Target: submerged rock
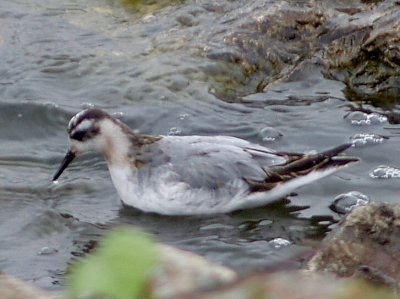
<point x="365" y="244"/>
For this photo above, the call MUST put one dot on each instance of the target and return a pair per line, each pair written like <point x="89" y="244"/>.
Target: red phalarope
<point x="186" y="175"/>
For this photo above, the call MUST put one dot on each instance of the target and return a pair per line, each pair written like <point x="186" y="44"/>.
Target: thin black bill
<point x="67" y="159"/>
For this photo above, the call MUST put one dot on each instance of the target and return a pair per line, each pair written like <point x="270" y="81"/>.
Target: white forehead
<point x="73" y="121"/>
<point x="84" y="125"/>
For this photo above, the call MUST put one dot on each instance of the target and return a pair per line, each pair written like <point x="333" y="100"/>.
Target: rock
<point x="13" y="288"/>
<point x="367" y="58"/>
<point x="181" y="272"/>
<point x="365" y="244"/>
<point x="242" y="48"/>
<point x="295" y="284"/>
<point x="357" y="44"/>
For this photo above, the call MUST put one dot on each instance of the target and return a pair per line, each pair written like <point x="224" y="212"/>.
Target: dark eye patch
<point x="78" y="135"/>
<point x="82" y="135"/>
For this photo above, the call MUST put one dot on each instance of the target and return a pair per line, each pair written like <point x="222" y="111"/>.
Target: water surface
<point x="149" y="69"/>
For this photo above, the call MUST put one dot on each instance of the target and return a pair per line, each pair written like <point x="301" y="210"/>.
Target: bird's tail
<point x="307" y="166"/>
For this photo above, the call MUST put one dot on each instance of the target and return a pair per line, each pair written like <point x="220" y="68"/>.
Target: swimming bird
<point x="187" y="175"/>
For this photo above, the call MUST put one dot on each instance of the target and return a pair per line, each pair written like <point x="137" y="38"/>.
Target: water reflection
<point x="224" y="238"/>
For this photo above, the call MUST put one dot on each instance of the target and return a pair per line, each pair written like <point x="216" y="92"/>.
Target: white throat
<point x="116" y="144"/>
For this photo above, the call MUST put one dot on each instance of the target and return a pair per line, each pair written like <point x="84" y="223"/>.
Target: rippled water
<point x="58" y="57"/>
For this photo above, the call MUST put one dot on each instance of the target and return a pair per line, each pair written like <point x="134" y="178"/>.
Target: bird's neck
<point x="121" y="144"/>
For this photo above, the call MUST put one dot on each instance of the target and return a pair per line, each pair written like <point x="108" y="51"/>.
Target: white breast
<point x="163" y="195"/>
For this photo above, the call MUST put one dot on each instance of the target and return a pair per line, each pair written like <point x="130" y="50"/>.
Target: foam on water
<point x="362" y="118"/>
<point x="362" y="139"/>
<point x="279" y="242"/>
<point x="385" y="172"/>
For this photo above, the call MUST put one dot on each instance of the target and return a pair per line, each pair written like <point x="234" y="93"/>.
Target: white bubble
<point x="47" y="251"/>
<point x="362" y="118"/>
<point x="345" y="203"/>
<point x="118" y="114"/>
<point x="279" y="242"/>
<point x="87" y="105"/>
<point x="362" y="139"/>
<point x="270" y="134"/>
<point x="183" y="116"/>
<point x="385" y="172"/>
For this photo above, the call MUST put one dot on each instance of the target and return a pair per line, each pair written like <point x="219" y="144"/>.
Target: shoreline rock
<point x="365" y="244"/>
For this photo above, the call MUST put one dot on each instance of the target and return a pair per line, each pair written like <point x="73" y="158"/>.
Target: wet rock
<point x="359" y="45"/>
<point x="365" y="244"/>
<point x="239" y="48"/>
<point x="367" y="58"/>
<point x="148" y="7"/>
<point x="269" y="44"/>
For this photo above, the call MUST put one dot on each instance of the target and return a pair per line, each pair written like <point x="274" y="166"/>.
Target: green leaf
<point x="118" y="269"/>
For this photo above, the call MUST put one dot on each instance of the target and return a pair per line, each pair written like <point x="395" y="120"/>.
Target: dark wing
<point x="300" y="165"/>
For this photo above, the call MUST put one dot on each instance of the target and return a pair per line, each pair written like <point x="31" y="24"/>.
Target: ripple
<point x="385" y="172"/>
<point x="174" y="131"/>
<point x="270" y="134"/>
<point x="362" y="118"/>
<point x="183" y="116"/>
<point x="87" y="105"/>
<point x="362" y="139"/>
<point x="119" y="115"/>
<point x="47" y="251"/>
<point x="25" y="121"/>
<point x="217" y="226"/>
<point x="345" y="203"/>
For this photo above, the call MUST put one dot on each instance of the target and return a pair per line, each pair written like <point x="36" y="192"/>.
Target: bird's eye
<point x="78" y="135"/>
